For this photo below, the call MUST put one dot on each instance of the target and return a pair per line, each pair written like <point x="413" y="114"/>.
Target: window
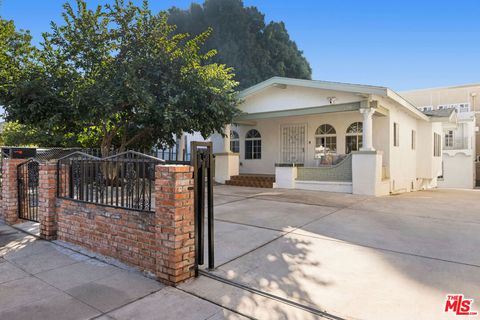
<point x="437" y="147"/>
<point x="234" y="141"/>
<point x="414" y="139"/>
<point x="396" y="134"/>
<point x="449" y="138"/>
<point x="353" y="139"/>
<point x="325" y="139"/>
<point x="253" y="145"/>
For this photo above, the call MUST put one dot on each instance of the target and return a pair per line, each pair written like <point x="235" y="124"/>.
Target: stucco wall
<point x="402" y="159"/>
<point x="271" y="141"/>
<point x="293" y="97"/>
<point x="458" y="171"/>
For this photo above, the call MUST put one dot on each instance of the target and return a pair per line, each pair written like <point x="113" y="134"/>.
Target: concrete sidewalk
<point x="44" y="280"/>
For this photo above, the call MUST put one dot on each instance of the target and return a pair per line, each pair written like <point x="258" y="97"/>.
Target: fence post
<point x="47" y="193"/>
<point x="175" y="223"/>
<point x="9" y="207"/>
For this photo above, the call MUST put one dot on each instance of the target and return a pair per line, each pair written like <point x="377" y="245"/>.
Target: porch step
<point x="252" y="180"/>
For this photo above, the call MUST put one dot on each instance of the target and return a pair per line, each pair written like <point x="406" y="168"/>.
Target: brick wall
<point x="160" y="242"/>
<point x="175" y="223"/>
<point x="47" y="192"/>
<point x="9" y="205"/>
<point x="123" y="234"/>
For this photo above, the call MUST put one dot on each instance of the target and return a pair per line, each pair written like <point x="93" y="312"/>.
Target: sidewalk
<point x="45" y="280"/>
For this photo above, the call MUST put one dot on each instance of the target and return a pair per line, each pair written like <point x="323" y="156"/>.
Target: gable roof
<point x="335" y="86"/>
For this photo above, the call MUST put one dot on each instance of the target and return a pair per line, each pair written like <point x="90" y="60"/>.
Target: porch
<point x="310" y="148"/>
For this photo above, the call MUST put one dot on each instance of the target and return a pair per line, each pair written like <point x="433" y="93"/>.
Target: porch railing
<point x="455" y="144"/>
<point x="341" y="171"/>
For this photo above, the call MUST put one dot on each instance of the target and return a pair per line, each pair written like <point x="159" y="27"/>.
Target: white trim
<point x="334" y="86"/>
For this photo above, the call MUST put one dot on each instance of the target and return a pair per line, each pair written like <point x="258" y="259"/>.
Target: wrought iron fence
<point x="125" y="180"/>
<point x="27" y="184"/>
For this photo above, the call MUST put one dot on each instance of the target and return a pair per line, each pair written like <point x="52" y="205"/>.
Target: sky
<point x="399" y="44"/>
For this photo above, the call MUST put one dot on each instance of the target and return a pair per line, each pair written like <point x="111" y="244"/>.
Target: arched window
<point x="234" y="141"/>
<point x="325" y="139"/>
<point x="353" y="139"/>
<point x="253" y="145"/>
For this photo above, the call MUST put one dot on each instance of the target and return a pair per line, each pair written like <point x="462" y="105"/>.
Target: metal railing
<point x="455" y="144"/>
<point x="125" y="180"/>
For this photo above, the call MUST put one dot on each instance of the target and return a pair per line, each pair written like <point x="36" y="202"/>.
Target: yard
<point x="354" y="257"/>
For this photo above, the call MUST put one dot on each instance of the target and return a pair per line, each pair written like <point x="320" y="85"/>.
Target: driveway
<point x="295" y="254"/>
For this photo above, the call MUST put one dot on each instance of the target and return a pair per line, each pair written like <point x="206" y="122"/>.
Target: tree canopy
<point x="256" y="50"/>
<point x="118" y="75"/>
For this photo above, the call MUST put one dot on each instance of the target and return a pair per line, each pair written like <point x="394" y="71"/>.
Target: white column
<point x="367" y="134"/>
<point x="226" y="139"/>
<point x="181" y="147"/>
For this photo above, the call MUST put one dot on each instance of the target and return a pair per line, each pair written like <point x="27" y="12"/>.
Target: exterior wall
<point x="458" y="171"/>
<point x="9" y="205"/>
<point x="428" y="171"/>
<point x="454" y="95"/>
<point x="122" y="234"/>
<point x="47" y="193"/>
<point x="271" y="139"/>
<point x="446" y="95"/>
<point x="293" y="97"/>
<point x="161" y="243"/>
<point x="403" y="160"/>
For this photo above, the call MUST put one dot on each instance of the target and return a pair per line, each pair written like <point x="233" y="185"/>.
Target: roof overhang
<point x="298" y="112"/>
<point x="360" y="89"/>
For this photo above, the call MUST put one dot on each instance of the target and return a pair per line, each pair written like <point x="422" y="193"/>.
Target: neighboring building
<point x="333" y="137"/>
<point x="461" y="140"/>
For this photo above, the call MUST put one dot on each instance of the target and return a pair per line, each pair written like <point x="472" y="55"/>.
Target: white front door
<point x="293" y="143"/>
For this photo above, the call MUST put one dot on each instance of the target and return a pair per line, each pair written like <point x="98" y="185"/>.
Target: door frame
<point x="305" y="142"/>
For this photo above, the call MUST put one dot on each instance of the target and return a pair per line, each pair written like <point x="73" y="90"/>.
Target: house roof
<point x="439" y="113"/>
<point x="335" y="86"/>
<point x="442" y="115"/>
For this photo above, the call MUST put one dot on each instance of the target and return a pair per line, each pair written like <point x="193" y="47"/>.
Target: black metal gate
<point x="27" y="179"/>
<point x="202" y="161"/>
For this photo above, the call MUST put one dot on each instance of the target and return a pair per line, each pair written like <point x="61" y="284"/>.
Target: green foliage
<point x="16" y="134"/>
<point x="120" y="76"/>
<point x="256" y="50"/>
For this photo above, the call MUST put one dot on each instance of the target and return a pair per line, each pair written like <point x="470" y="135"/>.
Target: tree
<point x="16" y="134"/>
<point x="256" y="50"/>
<point x="120" y="74"/>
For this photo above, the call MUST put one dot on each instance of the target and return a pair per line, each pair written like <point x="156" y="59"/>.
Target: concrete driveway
<point x="292" y="253"/>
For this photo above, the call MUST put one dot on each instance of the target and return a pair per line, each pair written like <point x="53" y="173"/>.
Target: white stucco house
<point x="461" y="139"/>
<point x="332" y="136"/>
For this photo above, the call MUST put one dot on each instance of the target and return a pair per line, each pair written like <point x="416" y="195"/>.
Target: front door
<point x="293" y="143"/>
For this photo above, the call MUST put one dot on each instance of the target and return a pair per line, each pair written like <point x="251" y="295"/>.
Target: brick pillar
<point x="175" y="238"/>
<point x="47" y="193"/>
<point x="9" y="207"/>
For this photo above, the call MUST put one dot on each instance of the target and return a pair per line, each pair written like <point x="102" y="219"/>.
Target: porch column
<point x="367" y="135"/>
<point x="181" y="147"/>
<point x="227" y="163"/>
<point x="226" y="139"/>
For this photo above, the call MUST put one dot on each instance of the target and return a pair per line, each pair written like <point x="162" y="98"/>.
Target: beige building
<point x="461" y="142"/>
